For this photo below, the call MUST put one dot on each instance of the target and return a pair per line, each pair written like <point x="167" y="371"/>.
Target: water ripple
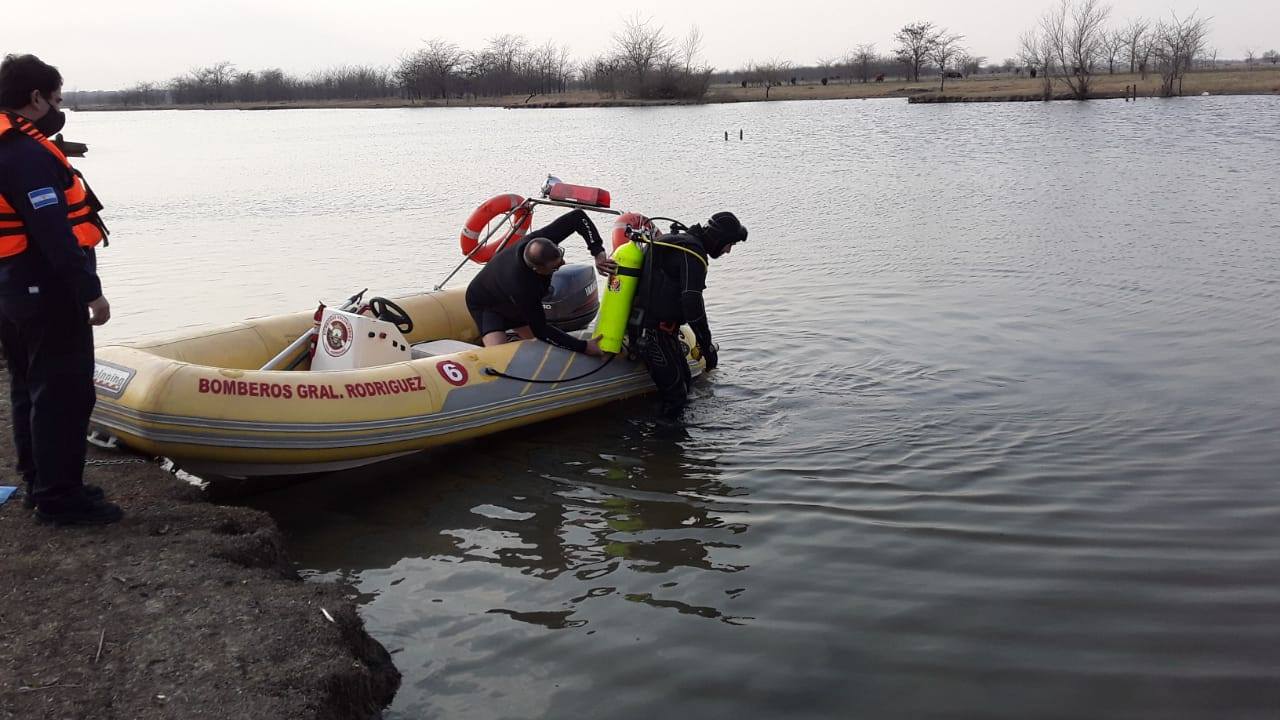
<point x="993" y="434"/>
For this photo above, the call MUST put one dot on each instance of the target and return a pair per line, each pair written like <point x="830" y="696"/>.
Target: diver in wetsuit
<point x="507" y="294"/>
<point x="670" y="295"/>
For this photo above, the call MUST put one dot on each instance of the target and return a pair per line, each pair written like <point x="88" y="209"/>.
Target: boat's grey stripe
<point x="193" y="437"/>
<point x="437" y="416"/>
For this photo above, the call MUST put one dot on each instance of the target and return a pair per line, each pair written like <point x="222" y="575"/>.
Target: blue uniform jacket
<point x="53" y="261"/>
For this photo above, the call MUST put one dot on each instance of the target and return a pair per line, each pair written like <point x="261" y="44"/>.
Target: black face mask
<point x="52" y="122"/>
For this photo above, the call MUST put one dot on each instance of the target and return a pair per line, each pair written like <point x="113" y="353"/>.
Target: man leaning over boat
<point x="507" y="294"/>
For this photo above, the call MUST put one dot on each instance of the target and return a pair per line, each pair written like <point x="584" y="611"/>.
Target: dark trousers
<point x="668" y="367"/>
<point x="48" y="345"/>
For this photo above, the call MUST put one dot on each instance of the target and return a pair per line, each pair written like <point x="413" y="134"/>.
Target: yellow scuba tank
<point x="615" y="306"/>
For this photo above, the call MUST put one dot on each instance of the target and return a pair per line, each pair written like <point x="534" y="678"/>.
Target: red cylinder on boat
<point x="580" y="194"/>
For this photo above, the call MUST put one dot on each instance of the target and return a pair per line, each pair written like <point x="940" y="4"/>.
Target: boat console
<point x="348" y="341"/>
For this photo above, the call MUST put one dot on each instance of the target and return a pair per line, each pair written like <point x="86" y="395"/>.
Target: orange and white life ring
<point x="635" y="220"/>
<point x="497" y="205"/>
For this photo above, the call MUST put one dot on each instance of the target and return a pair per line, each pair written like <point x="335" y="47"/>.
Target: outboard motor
<point x="572" y="302"/>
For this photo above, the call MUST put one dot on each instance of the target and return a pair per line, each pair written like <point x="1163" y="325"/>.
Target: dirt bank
<point x="184" y="610"/>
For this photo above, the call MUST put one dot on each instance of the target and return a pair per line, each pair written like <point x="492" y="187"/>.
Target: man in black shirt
<point x="507" y="294"/>
<point x="670" y="295"/>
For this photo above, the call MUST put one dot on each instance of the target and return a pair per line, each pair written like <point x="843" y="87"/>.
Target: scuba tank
<point x="615" y="306"/>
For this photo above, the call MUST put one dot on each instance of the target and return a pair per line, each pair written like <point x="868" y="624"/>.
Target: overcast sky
<point x="111" y="44"/>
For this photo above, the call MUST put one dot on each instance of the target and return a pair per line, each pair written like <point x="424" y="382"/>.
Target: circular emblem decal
<point x="452" y="372"/>
<point x="337" y="336"/>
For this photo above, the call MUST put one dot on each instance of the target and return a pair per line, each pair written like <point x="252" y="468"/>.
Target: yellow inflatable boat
<point x="372" y="392"/>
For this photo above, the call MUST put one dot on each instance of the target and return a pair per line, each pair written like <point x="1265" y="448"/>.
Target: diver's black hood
<point x="722" y="230"/>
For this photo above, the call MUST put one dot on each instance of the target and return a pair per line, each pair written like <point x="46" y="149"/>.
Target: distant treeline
<point x="1072" y="43"/>
<point x="644" y="63"/>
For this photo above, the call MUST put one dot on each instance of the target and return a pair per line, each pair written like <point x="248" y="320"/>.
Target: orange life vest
<point x="82" y="204"/>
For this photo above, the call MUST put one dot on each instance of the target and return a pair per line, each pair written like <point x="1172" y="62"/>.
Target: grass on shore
<point x="1215" y="82"/>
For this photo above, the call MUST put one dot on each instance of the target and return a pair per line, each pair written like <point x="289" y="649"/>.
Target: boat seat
<point x="440" y="347"/>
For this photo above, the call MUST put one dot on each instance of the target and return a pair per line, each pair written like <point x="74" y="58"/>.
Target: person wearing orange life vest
<point x="50" y="296"/>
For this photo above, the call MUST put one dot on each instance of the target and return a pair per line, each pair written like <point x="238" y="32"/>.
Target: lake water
<point x="995" y="433"/>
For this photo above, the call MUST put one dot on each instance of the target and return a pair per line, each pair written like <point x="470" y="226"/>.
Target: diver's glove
<point x="711" y="357"/>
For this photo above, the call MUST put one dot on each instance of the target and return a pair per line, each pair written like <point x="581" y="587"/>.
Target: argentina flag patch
<point x="42" y="197"/>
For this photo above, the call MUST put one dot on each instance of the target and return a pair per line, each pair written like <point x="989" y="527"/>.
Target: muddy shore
<point x="184" y="610"/>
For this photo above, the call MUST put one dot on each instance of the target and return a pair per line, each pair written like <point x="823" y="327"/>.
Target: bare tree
<point x="215" y="79"/>
<point x="1204" y="60"/>
<point x="772" y="72"/>
<point x="691" y="48"/>
<point x="204" y="84"/>
<point x="144" y="93"/>
<point x="431" y="70"/>
<point x="1075" y="29"/>
<point x="564" y="69"/>
<point x="148" y="92"/>
<point x="946" y="50"/>
<point x="221" y="83"/>
<point x="641" y="47"/>
<point x="1178" y="42"/>
<point x="1036" y="52"/>
<point x="542" y="69"/>
<point x="507" y="64"/>
<point x="915" y="43"/>
<point x="864" y="55"/>
<point x="1250" y="57"/>
<point x="826" y="66"/>
<point x="830" y="67"/>
<point x="244" y="87"/>
<point x="1271" y="56"/>
<point x="496" y="65"/>
<point x="603" y="74"/>
<point x="1133" y="33"/>
<point x="1114" y="43"/>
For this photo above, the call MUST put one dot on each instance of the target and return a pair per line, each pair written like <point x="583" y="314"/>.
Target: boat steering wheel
<point x="384" y="309"/>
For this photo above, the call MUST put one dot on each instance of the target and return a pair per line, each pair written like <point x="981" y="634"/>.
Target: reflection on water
<point x="993" y="434"/>
<point x="562" y="540"/>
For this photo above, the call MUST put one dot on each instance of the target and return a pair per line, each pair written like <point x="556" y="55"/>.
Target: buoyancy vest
<point x="82" y="204"/>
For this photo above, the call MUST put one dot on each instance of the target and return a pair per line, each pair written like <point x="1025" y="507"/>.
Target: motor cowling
<point x="572" y="301"/>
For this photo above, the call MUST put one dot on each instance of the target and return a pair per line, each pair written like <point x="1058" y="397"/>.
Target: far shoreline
<point x="977" y="88"/>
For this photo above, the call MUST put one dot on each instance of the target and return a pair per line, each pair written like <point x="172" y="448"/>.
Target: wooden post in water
<point x="739" y="133"/>
<point x="726" y="136"/>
